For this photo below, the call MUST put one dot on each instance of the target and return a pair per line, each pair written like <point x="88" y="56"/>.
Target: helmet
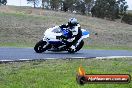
<point x="72" y="22"/>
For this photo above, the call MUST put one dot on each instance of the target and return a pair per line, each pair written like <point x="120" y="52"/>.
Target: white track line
<point x="111" y="57"/>
<point x="107" y="57"/>
<point x="78" y="57"/>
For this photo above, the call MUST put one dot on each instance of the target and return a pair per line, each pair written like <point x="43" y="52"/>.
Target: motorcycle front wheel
<point x="41" y="46"/>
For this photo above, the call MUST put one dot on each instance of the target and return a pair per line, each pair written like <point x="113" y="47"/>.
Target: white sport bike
<point x="52" y="41"/>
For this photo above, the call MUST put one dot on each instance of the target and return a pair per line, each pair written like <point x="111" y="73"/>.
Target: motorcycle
<point x="53" y="41"/>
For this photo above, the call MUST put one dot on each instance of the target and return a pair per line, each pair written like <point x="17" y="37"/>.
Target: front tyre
<point x="41" y="46"/>
<point x="77" y="48"/>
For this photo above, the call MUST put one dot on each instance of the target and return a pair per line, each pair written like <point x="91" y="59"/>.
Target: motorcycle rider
<point x="74" y="32"/>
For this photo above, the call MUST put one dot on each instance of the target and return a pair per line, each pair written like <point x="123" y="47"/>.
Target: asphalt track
<point x="7" y="54"/>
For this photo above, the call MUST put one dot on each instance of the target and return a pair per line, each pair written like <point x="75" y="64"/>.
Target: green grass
<point x="107" y="47"/>
<point x="61" y="73"/>
<point x="26" y="45"/>
<point x="18" y="45"/>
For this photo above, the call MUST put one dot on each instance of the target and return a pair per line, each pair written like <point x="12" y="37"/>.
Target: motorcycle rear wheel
<point x="77" y="48"/>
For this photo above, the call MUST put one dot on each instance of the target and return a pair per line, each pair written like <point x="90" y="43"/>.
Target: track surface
<point x="29" y="53"/>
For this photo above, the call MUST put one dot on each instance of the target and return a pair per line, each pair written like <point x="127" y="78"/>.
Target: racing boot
<point x="73" y="47"/>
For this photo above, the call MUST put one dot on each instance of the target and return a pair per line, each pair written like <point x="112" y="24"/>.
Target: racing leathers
<point x="74" y="32"/>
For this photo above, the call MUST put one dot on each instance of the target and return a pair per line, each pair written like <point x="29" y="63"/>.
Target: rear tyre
<point x="77" y="48"/>
<point x="41" y="46"/>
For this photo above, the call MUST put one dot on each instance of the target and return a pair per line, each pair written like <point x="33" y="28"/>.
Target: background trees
<point x="54" y="4"/>
<point x="81" y="6"/>
<point x="3" y="2"/>
<point x="108" y="9"/>
<point x="67" y="5"/>
<point x="34" y="2"/>
<point x="111" y="9"/>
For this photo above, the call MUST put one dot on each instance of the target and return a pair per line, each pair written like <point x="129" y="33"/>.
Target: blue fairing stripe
<point x="85" y="33"/>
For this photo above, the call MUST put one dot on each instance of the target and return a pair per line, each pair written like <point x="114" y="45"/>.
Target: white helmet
<point x="73" y="21"/>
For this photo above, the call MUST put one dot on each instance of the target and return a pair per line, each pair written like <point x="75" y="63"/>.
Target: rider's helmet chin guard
<point x="72" y="22"/>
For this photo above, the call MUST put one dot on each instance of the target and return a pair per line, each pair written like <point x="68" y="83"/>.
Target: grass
<point x="24" y="26"/>
<point x="61" y="73"/>
<point x="19" y="45"/>
<point x="25" y="45"/>
<point x="107" y="47"/>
